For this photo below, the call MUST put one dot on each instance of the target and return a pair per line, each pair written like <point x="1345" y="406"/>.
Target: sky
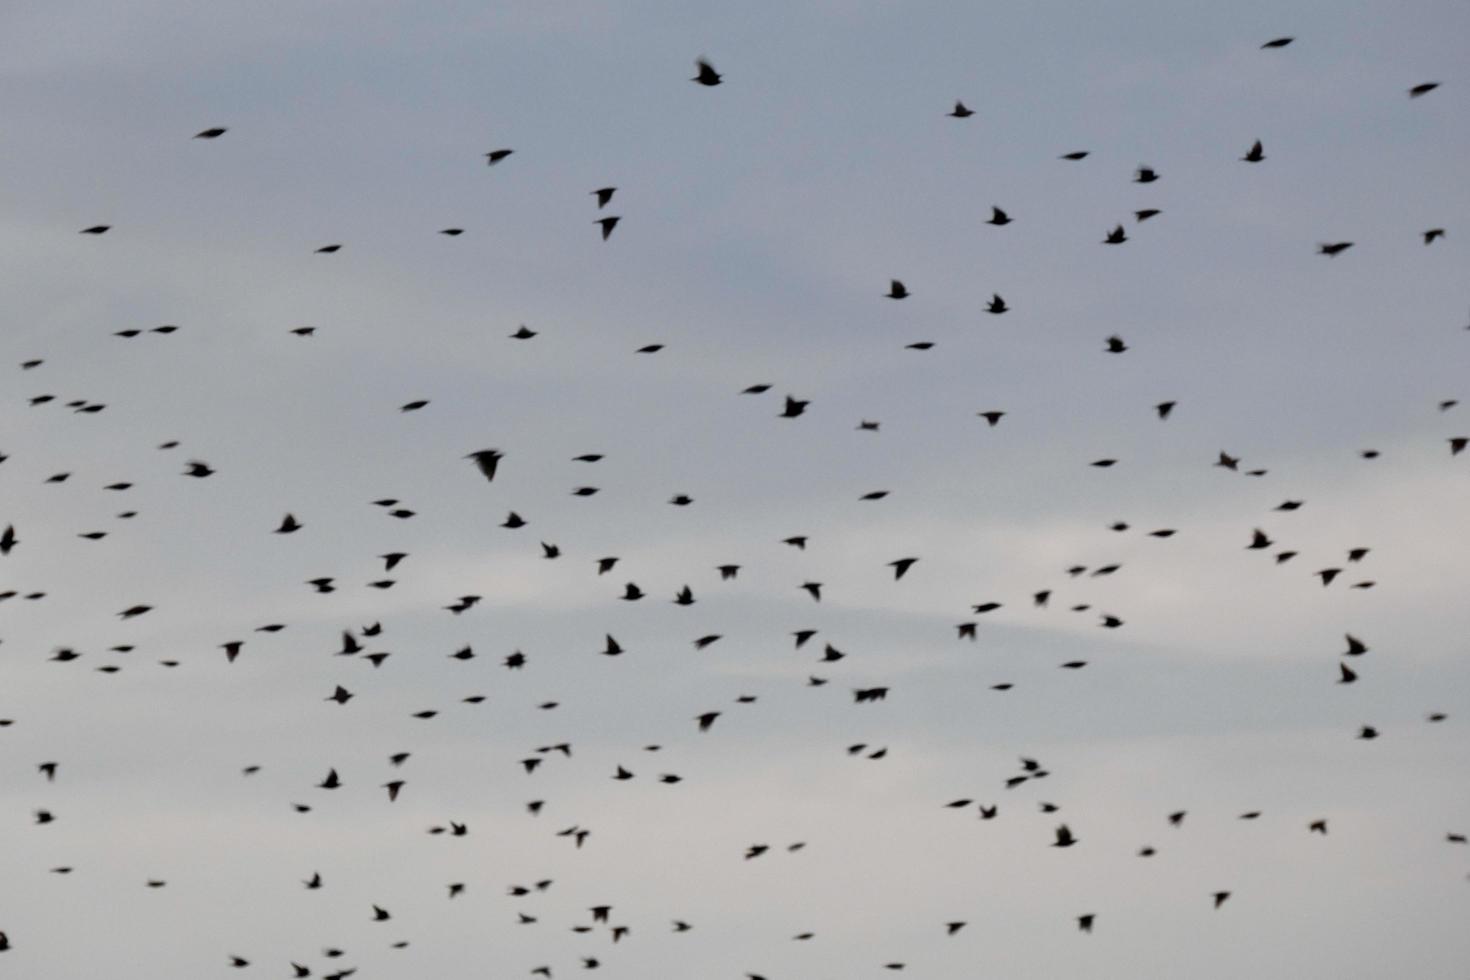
<point x="761" y="223"/>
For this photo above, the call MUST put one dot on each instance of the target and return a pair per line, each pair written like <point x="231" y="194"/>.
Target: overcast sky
<point x="761" y="222"/>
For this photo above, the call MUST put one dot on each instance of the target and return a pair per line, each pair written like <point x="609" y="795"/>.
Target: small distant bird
<point x="1279" y="42"/>
<point x="998" y="217"/>
<point x="1220" y="898"/>
<point x="1146" y="213"/>
<point x="1064" y="837"/>
<point x="961" y="111"/>
<point x="1145" y="175"/>
<point x="997" y="304"/>
<point x="604" y="195"/>
<point x="794" y="408"/>
<point x="212" y="133"/>
<point x="1333" y="248"/>
<point x="8" y="540"/>
<point x="1116" y="345"/>
<point x="706" y="74"/>
<point x="495" y="156"/>
<point x="901" y="566"/>
<point x="992" y="417"/>
<point x="198" y="469"/>
<point x="1164" y="408"/>
<point x="608" y="224"/>
<point x="1084" y="922"/>
<point x="1075" y="155"/>
<point x="96" y="230"/>
<point x="328" y="249"/>
<point x="897" y="290"/>
<point x="1423" y="89"/>
<point x="1432" y="234"/>
<point x="1116" y="237"/>
<point x="1255" y="154"/>
<point x="487" y="460"/>
<point x="288" y="525"/>
<point x="451" y="232"/>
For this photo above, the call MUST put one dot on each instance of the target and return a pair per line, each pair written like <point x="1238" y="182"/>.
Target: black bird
<point x="1145" y="214"/>
<point x="487" y="460"/>
<point x="1116" y="345"/>
<point x="8" y="540"/>
<point x="896" y="290"/>
<point x="1116" y="237"/>
<point x="214" y="132"/>
<point x="1423" y="89"/>
<point x="198" y="469"/>
<point x="1255" y="154"/>
<point x="288" y="525"/>
<point x="608" y="224"/>
<point x="998" y="217"/>
<point x="1432" y="234"/>
<point x="495" y="156"/>
<point x="1075" y="155"/>
<point x="794" y="407"/>
<point x="961" y="111"/>
<point x="706" y="73"/>
<point x="1064" y="837"/>
<point x="1333" y="248"/>
<point x="997" y="305"/>
<point x="604" y="195"/>
<point x="96" y="230"/>
<point x="901" y="566"/>
<point x="1279" y="42"/>
<point x="1145" y="175"/>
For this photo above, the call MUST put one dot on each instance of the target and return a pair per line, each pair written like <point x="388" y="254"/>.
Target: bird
<point x="961" y="111"/>
<point x="1331" y="249"/>
<point x="288" y="525"/>
<point x="1116" y="237"/>
<point x="1145" y="175"/>
<point x="901" y="566"/>
<point x="8" y="540"/>
<point x="1255" y="154"/>
<point x="214" y="132"/>
<point x="1115" y="345"/>
<point x="1279" y="42"/>
<point x="998" y="217"/>
<point x="794" y="408"/>
<point x="487" y="460"/>
<point x="1432" y="234"/>
<point x="1064" y="837"/>
<point x="495" y="156"/>
<point x="705" y="73"/>
<point x="1424" y="88"/>
<point x="608" y="224"/>
<point x="897" y="290"/>
<point x="604" y="195"/>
